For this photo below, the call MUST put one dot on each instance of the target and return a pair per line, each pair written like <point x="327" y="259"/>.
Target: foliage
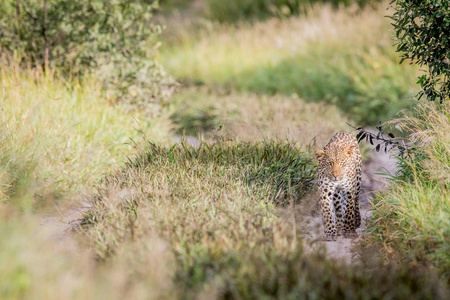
<point x="422" y="30"/>
<point x="114" y="38"/>
<point x="383" y="142"/>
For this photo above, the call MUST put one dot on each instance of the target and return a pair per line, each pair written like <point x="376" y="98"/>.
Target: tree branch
<point x="390" y="142"/>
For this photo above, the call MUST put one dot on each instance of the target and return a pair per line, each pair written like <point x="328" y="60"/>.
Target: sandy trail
<point x="62" y="223"/>
<point x="372" y="181"/>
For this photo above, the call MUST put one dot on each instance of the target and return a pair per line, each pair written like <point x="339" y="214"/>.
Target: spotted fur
<point x="339" y="180"/>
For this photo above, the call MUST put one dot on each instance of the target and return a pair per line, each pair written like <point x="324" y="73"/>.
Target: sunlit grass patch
<point x="340" y="57"/>
<point x="60" y="135"/>
<point x="412" y="221"/>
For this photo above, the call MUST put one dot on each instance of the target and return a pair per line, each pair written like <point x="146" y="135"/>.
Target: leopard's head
<point x="333" y="160"/>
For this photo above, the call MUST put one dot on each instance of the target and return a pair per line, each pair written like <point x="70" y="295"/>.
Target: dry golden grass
<point x="250" y="117"/>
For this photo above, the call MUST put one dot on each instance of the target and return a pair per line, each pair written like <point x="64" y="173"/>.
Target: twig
<point x="390" y="142"/>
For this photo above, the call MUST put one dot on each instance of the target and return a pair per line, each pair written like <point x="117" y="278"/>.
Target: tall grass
<point x="216" y="207"/>
<point x="59" y="135"/>
<point x="336" y="56"/>
<point x="412" y="220"/>
<point x="57" y="138"/>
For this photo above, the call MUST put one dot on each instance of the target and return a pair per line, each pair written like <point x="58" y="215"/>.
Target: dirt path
<point x="62" y="223"/>
<point x="371" y="182"/>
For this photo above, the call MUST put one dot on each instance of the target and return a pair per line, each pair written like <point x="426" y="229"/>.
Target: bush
<point x="422" y="30"/>
<point x="114" y="38"/>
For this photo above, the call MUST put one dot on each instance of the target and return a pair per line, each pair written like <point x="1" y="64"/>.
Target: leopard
<point x="339" y="181"/>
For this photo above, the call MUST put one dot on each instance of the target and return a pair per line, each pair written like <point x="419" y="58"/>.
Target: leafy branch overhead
<point x="422" y="29"/>
<point x="381" y="141"/>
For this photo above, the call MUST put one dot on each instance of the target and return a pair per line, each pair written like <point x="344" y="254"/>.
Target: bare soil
<point x="62" y="223"/>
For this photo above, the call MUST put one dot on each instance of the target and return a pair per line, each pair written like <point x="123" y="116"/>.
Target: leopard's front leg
<point x="357" y="190"/>
<point x="327" y="211"/>
<point x="339" y="202"/>
<point x="350" y="214"/>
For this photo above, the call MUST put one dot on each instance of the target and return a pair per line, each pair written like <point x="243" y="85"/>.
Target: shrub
<point x="114" y="38"/>
<point x="422" y="30"/>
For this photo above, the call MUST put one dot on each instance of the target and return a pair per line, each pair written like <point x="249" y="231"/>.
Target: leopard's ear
<point x="349" y="150"/>
<point x="319" y="154"/>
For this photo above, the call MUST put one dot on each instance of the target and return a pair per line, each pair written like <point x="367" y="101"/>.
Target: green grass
<point x="337" y="57"/>
<point x="226" y="219"/>
<point x="58" y="136"/>
<point x="412" y="218"/>
<point x="216" y="207"/>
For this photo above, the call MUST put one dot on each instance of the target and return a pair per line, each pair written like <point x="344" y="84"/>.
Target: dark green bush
<point x="422" y="29"/>
<point x="114" y="38"/>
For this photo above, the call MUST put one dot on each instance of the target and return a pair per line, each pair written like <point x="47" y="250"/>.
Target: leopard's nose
<point x="336" y="176"/>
